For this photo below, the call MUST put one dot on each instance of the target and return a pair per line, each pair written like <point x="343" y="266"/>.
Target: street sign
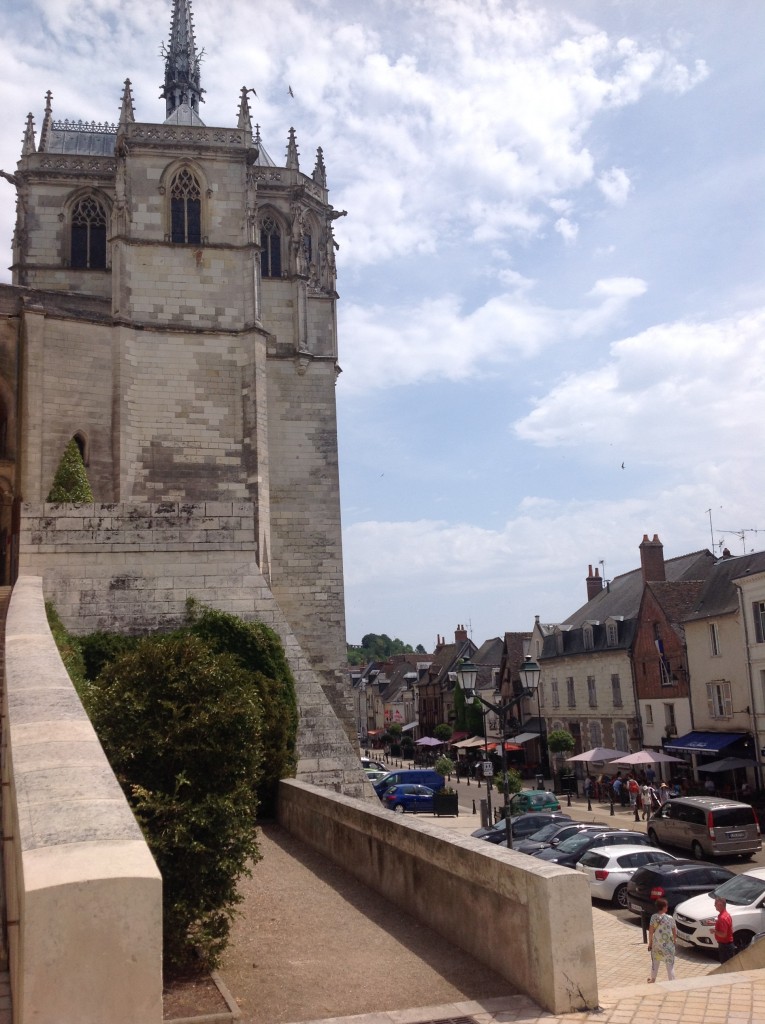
<point x="488" y="769"/>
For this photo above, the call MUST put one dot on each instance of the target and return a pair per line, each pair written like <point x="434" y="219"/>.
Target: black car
<point x="521" y="825"/>
<point x="570" y="850"/>
<point x="555" y="833"/>
<point x="674" y="882"/>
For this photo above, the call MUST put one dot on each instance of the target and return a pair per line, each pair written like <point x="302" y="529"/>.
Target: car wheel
<point x="399" y="808"/>
<point x="653" y="838"/>
<point x="697" y="852"/>
<point x="742" y="939"/>
<point x="619" y="898"/>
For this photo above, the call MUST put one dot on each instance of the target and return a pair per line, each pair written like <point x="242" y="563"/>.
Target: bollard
<point x="612" y="806"/>
<point x="645" y="922"/>
<point x="589" y="803"/>
<point x="568" y="799"/>
<point x="474" y="807"/>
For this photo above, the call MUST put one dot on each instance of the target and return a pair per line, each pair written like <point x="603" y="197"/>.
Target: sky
<point x="552" y="304"/>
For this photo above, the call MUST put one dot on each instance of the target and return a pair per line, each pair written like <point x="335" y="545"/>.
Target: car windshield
<point x="742" y="890"/>
<point x="545" y="833"/>
<point x="574" y="843"/>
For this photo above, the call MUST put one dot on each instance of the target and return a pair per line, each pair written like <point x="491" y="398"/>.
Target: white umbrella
<point x="428" y="741"/>
<point x="598" y="754"/>
<point x="646" y="757"/>
<point x="727" y="764"/>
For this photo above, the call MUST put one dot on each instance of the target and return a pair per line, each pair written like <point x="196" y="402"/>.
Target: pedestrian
<point x="724" y="931"/>
<point x="645" y="802"/>
<point x="709" y="786"/>
<point x="662" y="939"/>
<point x="663" y="793"/>
<point x="650" y="776"/>
<point x="634" y="789"/>
<point x="588" y="787"/>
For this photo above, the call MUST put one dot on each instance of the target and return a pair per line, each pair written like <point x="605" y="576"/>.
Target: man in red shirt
<point x="724" y="931"/>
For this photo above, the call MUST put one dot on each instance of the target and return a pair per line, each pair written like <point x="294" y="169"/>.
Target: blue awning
<point x="704" y="742"/>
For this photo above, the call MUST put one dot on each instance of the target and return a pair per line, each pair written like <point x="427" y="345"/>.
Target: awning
<point x="704" y="742"/>
<point x="409" y="726"/>
<point x="473" y="741"/>
<point x="525" y="737"/>
<point x="457" y="736"/>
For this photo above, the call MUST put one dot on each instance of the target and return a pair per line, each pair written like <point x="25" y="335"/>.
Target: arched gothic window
<point x="88" y="234"/>
<point x="270" y="248"/>
<point x="185" y="208"/>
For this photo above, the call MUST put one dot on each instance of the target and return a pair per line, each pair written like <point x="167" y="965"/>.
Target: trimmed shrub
<point x="70" y="484"/>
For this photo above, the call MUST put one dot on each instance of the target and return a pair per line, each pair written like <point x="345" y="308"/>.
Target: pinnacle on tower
<point x="320" y="171"/>
<point x="47" y="122"/>
<point x="292" y="152"/>
<point x="182" y="62"/>
<point x="127" y="110"/>
<point x="28" y="146"/>
<point x="244" y="122"/>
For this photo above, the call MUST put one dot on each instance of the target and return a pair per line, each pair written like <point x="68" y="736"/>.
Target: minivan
<point x="421" y="776"/>
<point x="708" y="826"/>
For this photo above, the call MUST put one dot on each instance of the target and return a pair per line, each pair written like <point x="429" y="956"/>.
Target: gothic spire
<point x="244" y="121"/>
<point x="47" y="121"/>
<point x="320" y="171"/>
<point x="28" y="145"/>
<point x="182" y="84"/>
<point x="292" y="151"/>
<point x="127" y="110"/>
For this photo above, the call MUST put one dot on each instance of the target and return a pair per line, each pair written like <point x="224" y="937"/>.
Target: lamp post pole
<point x="485" y="762"/>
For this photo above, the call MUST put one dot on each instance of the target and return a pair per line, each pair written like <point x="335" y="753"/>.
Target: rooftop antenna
<point x="602" y="564"/>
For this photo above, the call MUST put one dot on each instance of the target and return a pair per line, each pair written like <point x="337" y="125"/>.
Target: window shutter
<point x="711" y="701"/>
<point x="728" y="699"/>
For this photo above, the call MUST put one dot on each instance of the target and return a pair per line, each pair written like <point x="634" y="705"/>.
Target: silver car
<point x="609" y="868"/>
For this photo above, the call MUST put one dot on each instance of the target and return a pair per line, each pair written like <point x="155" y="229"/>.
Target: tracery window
<point x="270" y="248"/>
<point x="88" y="224"/>
<point x="185" y="208"/>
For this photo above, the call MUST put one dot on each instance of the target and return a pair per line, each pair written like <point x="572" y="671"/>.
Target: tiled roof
<point x="719" y="595"/>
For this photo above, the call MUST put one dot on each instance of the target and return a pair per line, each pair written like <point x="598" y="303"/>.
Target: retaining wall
<point x="84" y="896"/>
<point x="528" y="920"/>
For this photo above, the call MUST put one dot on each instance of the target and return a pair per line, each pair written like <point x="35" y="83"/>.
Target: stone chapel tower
<point x="173" y="309"/>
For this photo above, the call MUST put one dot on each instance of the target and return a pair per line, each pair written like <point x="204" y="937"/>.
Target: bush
<point x="445" y="766"/>
<point x="71" y="481"/>
<point x="443" y="732"/>
<point x="181" y="727"/>
<point x="514" y="781"/>
<point x="100" y="649"/>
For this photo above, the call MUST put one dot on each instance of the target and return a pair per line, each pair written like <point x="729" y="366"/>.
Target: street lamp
<point x="467" y="674"/>
<point x="530" y="675"/>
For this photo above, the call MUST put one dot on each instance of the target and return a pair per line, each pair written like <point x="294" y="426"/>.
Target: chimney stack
<point x="652" y="560"/>
<point x="460" y="635"/>
<point x="594" y="583"/>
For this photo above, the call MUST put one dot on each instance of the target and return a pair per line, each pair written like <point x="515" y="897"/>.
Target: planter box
<point x="445" y="804"/>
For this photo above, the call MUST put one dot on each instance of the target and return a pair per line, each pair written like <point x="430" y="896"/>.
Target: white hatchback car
<point x="745" y="897"/>
<point x="609" y="868"/>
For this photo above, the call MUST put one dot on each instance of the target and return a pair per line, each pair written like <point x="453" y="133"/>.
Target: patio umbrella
<point x="428" y="741"/>
<point x="598" y="754"/>
<point x="727" y="764"/>
<point x="646" y="757"/>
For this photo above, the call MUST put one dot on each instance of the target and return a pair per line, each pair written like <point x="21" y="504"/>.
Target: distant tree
<point x="560" y="741"/>
<point x="378" y="647"/>
<point x="70" y="484"/>
<point x="395" y="729"/>
<point x="445" y="766"/>
<point x="443" y="732"/>
<point x="419" y="649"/>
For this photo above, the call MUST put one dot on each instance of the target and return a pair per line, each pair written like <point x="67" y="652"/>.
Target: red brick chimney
<point x="652" y="559"/>
<point x="594" y="584"/>
<point x="460" y="635"/>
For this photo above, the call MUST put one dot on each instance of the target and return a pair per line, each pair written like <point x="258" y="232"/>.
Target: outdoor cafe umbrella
<point x="646" y="757"/>
<point x="428" y="741"/>
<point x="728" y="764"/>
<point x="598" y="754"/>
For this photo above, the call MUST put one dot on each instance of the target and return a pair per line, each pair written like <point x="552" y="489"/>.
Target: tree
<point x="445" y="766"/>
<point x="70" y="484"/>
<point x="395" y="729"/>
<point x="443" y="732"/>
<point x="560" y="741"/>
<point x="180" y="725"/>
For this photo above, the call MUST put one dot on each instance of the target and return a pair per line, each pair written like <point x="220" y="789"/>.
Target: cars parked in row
<point x="408" y="796"/>
<point x="571" y="850"/>
<point x="369" y="763"/>
<point x="707" y="826"/>
<point x="521" y="825"/>
<point x="609" y="868"/>
<point x="533" y="800"/>
<point x="554" y="833"/>
<point x="675" y="882"/>
<point x="745" y="898"/>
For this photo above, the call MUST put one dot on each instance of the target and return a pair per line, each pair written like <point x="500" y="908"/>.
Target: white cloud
<point x="567" y="230"/>
<point x="615" y="185"/>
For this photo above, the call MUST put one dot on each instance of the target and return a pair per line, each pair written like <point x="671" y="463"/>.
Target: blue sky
<point x="551" y="265"/>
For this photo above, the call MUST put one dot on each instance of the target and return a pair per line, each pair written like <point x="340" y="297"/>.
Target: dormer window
<point x="88" y="238"/>
<point x="185" y="209"/>
<point x="587" y="636"/>
<point x="612" y="634"/>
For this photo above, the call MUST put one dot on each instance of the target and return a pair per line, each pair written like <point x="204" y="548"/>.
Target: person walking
<point x="634" y="789"/>
<point x="724" y="931"/>
<point x="662" y="939"/>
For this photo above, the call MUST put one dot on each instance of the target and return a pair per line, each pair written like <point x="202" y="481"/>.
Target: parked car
<point x="375" y="774"/>
<point x="674" y="882"/>
<point x="416" y="776"/>
<point x="555" y="833"/>
<point x="745" y="896"/>
<point x="521" y="825"/>
<point x="574" y="848"/>
<point x="408" y="796"/>
<point x="367" y="762"/>
<point x="708" y="826"/>
<point x="609" y="869"/>
<point x="533" y="800"/>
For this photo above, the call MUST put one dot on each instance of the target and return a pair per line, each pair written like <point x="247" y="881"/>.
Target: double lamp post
<point x="530" y="673"/>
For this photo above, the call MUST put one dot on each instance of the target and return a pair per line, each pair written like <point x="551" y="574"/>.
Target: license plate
<point x="736" y="835"/>
<point x="635" y="908"/>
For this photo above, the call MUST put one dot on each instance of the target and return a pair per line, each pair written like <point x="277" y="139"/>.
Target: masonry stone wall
<point x="131" y="569"/>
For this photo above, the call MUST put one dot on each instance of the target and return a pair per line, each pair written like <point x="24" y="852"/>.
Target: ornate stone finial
<point x="257" y="135"/>
<point x="182" y="62"/>
<point x="28" y="145"/>
<point x="244" y="121"/>
<point x="47" y="121"/>
<point x="292" y="152"/>
<point x="320" y="171"/>
<point x="127" y="110"/>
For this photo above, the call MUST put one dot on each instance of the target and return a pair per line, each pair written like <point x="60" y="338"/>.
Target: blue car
<point x="408" y="797"/>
